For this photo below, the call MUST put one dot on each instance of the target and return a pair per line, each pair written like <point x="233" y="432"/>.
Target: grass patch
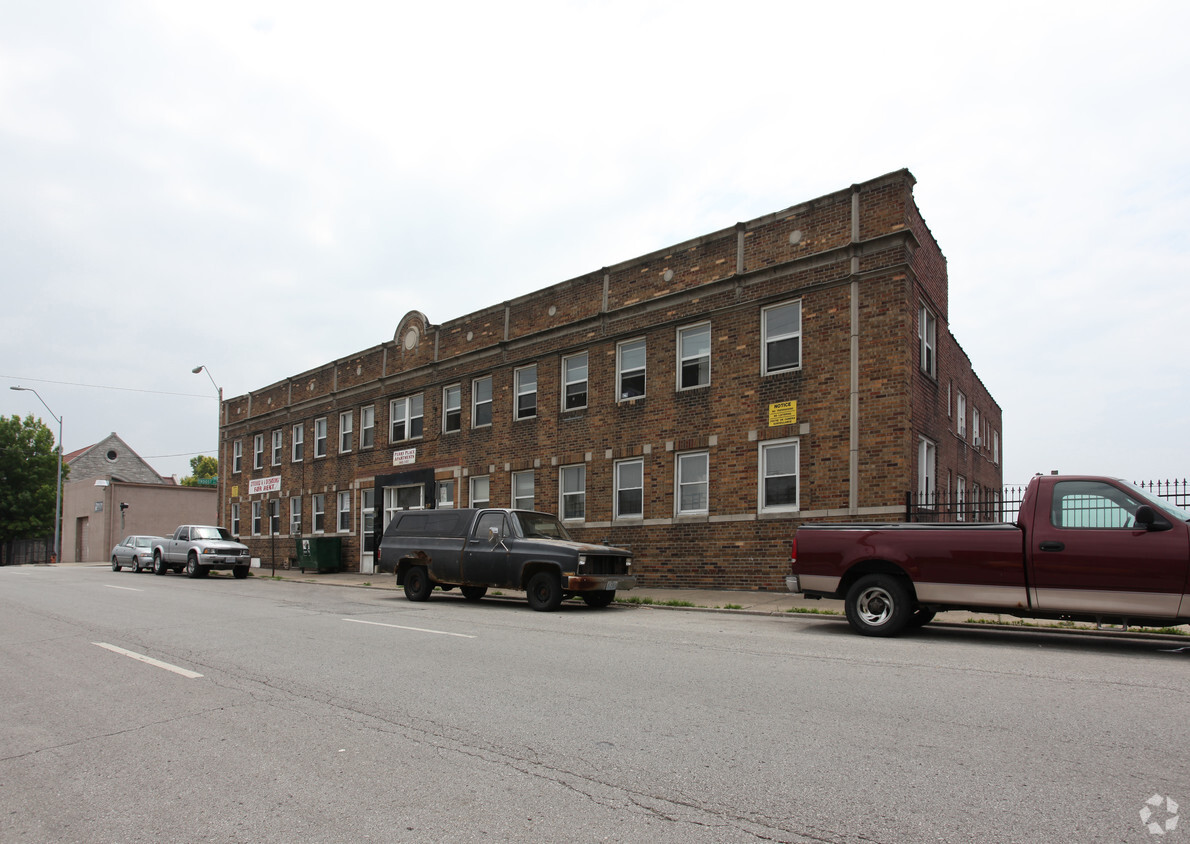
<point x="646" y="601"/>
<point x="1076" y="625"/>
<point x="733" y="606"/>
<point x="812" y="611"/>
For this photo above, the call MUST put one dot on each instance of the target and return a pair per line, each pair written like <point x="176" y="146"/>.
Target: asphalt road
<point x="349" y="715"/>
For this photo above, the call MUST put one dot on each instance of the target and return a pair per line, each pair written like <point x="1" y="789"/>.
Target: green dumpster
<point x="320" y="553"/>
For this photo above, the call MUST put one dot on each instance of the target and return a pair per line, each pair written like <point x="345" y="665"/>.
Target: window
<point x="256" y="518"/>
<point x="346" y="421"/>
<point x="237" y="456"/>
<point x="630" y="369"/>
<point x="975" y="429"/>
<point x="295" y="516"/>
<point x="235" y="519"/>
<point x="452" y="409"/>
<point x="405" y="418"/>
<point x="781" y="326"/>
<point x="274" y="517"/>
<point x="573" y="481"/>
<point x="927" y="334"/>
<point x="694" y="356"/>
<point x="574" y="381"/>
<point x="258" y="451"/>
<point x="277" y="444"/>
<point x="778" y="476"/>
<point x="996" y="447"/>
<point x="318" y="513"/>
<point x="446" y="495"/>
<point x="481" y="402"/>
<point x="526" y="392"/>
<point x="367" y="426"/>
<point x="693" y="477"/>
<point x="960" y="425"/>
<point x="630" y="489"/>
<point x="960" y="498"/>
<point x="320" y="437"/>
<point x="522" y="490"/>
<point x="343" y="522"/>
<point x="927" y="485"/>
<point x="480" y="492"/>
<point x="298" y="448"/>
<point x="1092" y="504"/>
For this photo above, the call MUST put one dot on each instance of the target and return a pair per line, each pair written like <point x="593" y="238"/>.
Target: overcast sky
<point x="263" y="187"/>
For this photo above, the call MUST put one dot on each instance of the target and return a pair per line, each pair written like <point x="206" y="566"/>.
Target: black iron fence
<point x="26" y="551"/>
<point x="1001" y="505"/>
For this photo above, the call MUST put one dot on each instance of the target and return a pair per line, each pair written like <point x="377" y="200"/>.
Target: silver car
<point x="135" y="552"/>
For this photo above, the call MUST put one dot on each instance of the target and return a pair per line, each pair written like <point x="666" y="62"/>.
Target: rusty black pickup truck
<point x="478" y="549"/>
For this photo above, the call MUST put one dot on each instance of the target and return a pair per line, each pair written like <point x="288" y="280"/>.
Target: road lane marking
<point x="156" y="662"/>
<point x="125" y="588"/>
<point x="414" y="629"/>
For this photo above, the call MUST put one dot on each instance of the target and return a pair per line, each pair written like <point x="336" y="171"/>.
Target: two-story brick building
<point x="694" y="404"/>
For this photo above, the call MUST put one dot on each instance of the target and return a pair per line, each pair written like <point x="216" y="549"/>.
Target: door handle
<point x="1052" y="546"/>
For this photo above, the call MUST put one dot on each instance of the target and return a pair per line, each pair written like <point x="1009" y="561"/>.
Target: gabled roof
<point x="110" y="457"/>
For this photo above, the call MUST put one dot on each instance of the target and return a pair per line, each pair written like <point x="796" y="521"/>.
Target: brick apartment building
<point x="694" y="404"/>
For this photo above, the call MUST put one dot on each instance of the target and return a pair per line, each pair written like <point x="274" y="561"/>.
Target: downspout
<point x="853" y="421"/>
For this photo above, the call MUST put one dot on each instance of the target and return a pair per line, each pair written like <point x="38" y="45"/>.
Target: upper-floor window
<point x="237" y="456"/>
<point x="452" y="409"/>
<point x="481" y="402"/>
<point x="320" y="437"/>
<point x="346" y="421"/>
<point x="367" y="426"/>
<point x="778" y="476"/>
<point x="277" y="447"/>
<point x="258" y="451"/>
<point x="630" y="489"/>
<point x="573" y="483"/>
<point x="630" y="369"/>
<point x="976" y="430"/>
<point x="574" y="381"/>
<point x="406" y="418"/>
<point x="299" y="443"/>
<point x="960" y="414"/>
<point x="522" y="490"/>
<point x="693" y="483"/>
<point x="526" y="392"/>
<point x="694" y="356"/>
<point x="927" y="334"/>
<point x="781" y="327"/>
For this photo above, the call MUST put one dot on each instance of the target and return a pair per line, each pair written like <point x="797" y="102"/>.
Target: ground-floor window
<point x="778" y="476"/>
<point x="630" y="489"/>
<point x="522" y="490"/>
<point x="318" y="513"/>
<point x="235" y="519"/>
<point x="480" y="492"/>
<point x="256" y="518"/>
<point x="693" y="483"/>
<point x="573" y="481"/>
<point x="343" y="523"/>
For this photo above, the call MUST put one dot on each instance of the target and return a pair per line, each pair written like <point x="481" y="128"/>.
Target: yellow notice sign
<point x="782" y="413"/>
<point x="235" y="491"/>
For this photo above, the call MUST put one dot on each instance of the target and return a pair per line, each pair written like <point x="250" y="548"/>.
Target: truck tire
<point x="878" y="605"/>
<point x="193" y="569"/>
<point x="158" y="564"/>
<point x="418" y="585"/>
<point x="473" y="593"/>
<point x="240" y="572"/>
<point x="602" y="598"/>
<point x="115" y="564"/>
<point x="544" y="591"/>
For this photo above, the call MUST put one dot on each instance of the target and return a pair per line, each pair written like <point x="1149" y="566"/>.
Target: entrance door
<point x="367" y="535"/>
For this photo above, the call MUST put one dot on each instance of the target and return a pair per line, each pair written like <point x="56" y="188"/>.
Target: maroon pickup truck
<point x="1083" y="548"/>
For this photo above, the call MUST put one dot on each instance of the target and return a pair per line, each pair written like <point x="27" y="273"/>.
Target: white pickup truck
<point x="200" y="548"/>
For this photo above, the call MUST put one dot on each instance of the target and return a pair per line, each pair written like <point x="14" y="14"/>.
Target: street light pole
<point x="57" y="555"/>
<point x="218" y="445"/>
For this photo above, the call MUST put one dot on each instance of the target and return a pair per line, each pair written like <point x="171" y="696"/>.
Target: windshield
<point x="209" y="533"/>
<point x="541" y="526"/>
<point x="1166" y="506"/>
<point x="143" y="541"/>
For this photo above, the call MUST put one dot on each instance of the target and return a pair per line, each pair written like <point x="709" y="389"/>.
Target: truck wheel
<point x="115" y="564"/>
<point x="418" y="585"/>
<point x="473" y="593"/>
<point x="158" y="564"/>
<point x="192" y="567"/>
<point x="921" y="617"/>
<point x="602" y="598"/>
<point x="136" y="566"/>
<point x="240" y="572"/>
<point x="545" y="592"/>
<point x="878" y="605"/>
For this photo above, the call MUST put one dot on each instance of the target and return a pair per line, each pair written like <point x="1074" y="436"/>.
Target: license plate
<point x="613" y="584"/>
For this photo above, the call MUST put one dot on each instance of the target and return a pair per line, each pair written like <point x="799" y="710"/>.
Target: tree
<point x="28" y="478"/>
<point x="201" y="468"/>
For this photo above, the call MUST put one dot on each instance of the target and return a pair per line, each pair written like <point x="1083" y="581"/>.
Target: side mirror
<point x="1147" y="518"/>
<point x="493" y="535"/>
